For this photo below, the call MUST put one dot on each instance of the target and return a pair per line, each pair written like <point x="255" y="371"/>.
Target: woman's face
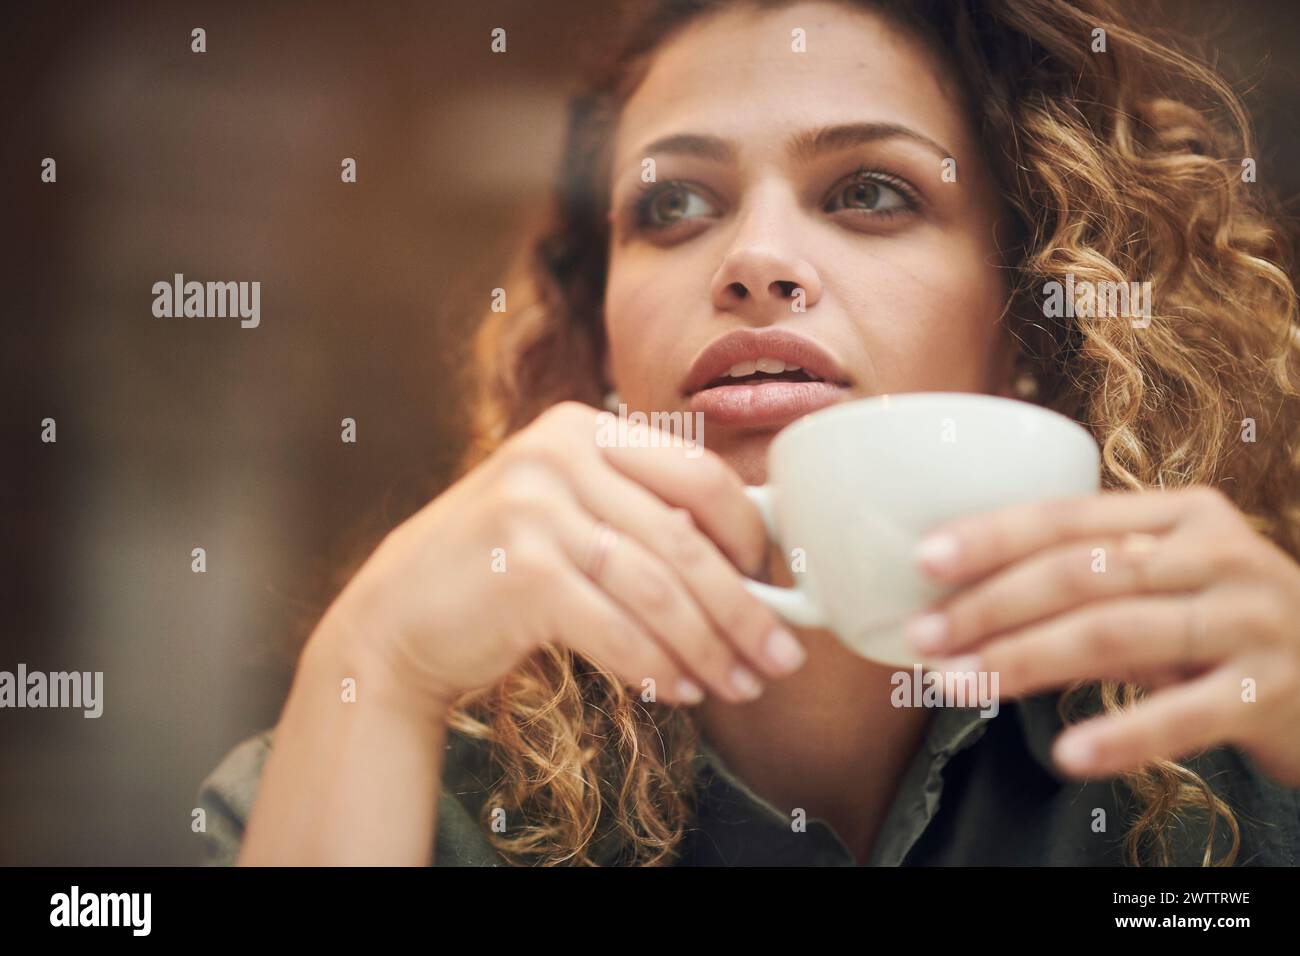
<point x="853" y="241"/>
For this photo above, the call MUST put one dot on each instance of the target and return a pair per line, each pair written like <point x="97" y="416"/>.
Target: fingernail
<point x="784" y="650"/>
<point x="928" y="631"/>
<point x="1076" y="751"/>
<point x="938" y="552"/>
<point x="690" y="691"/>
<point x="745" y="682"/>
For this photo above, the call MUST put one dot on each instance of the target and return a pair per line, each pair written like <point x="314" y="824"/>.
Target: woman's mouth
<point x="759" y="401"/>
<point x="761" y="379"/>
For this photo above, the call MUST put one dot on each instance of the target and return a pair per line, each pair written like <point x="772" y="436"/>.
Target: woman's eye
<point x="662" y="206"/>
<point x="871" y="195"/>
<point x="666" y="205"/>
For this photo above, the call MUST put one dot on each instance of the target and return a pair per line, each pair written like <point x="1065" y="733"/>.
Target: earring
<point x="612" y="401"/>
<point x="1025" y="386"/>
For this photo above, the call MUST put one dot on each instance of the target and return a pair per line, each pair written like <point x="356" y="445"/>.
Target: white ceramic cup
<point x="853" y="488"/>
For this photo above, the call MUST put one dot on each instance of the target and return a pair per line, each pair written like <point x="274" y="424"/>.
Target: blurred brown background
<point x="183" y="433"/>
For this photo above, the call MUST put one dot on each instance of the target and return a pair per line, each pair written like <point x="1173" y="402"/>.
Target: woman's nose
<point x="762" y="278"/>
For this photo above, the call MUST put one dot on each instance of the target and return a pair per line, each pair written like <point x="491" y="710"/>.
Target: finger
<point x="711" y="580"/>
<point x="973" y="546"/>
<point x="652" y="594"/>
<point x="1055" y="580"/>
<point x="1125" y="640"/>
<point x="651" y="591"/>
<point x="702" y="483"/>
<point x="1170" y="724"/>
<point x="593" y="623"/>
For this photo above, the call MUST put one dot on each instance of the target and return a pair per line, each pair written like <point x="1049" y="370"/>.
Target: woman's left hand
<point x="1171" y="590"/>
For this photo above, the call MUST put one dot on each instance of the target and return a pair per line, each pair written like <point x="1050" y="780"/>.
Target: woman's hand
<point x="627" y="554"/>
<point x="1173" y="590"/>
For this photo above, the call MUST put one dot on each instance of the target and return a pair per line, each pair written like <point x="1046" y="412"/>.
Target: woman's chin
<point x="747" y="455"/>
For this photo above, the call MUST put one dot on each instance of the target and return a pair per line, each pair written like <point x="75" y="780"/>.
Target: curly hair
<point x="1115" y="165"/>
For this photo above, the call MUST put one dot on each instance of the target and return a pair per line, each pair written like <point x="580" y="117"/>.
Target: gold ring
<point x="603" y="539"/>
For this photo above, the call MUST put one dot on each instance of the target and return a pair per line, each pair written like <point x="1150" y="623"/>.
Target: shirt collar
<point x="952" y="730"/>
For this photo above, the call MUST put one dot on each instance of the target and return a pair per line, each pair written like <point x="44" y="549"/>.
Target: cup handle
<point x="792" y="604"/>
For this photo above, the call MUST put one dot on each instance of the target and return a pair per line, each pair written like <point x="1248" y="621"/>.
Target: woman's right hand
<point x="502" y="561"/>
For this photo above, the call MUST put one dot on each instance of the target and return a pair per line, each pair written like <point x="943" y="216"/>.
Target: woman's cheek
<point x="641" y="330"/>
<point x="929" y="338"/>
<point x="958" y="313"/>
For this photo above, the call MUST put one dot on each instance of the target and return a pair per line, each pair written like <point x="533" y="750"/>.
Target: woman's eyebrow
<point x="826" y="139"/>
<point x="802" y="146"/>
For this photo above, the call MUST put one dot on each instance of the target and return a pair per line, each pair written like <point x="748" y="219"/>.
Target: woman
<point x="555" y="661"/>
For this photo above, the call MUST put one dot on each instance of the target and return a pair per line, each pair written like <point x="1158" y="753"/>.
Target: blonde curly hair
<point x="1116" y="166"/>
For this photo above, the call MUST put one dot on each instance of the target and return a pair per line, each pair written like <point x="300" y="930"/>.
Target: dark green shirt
<point x="980" y="791"/>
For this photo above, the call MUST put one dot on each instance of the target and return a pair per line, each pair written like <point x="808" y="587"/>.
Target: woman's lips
<point x="764" y="404"/>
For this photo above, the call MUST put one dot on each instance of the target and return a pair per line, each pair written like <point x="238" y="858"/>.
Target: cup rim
<point x="889" y="401"/>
